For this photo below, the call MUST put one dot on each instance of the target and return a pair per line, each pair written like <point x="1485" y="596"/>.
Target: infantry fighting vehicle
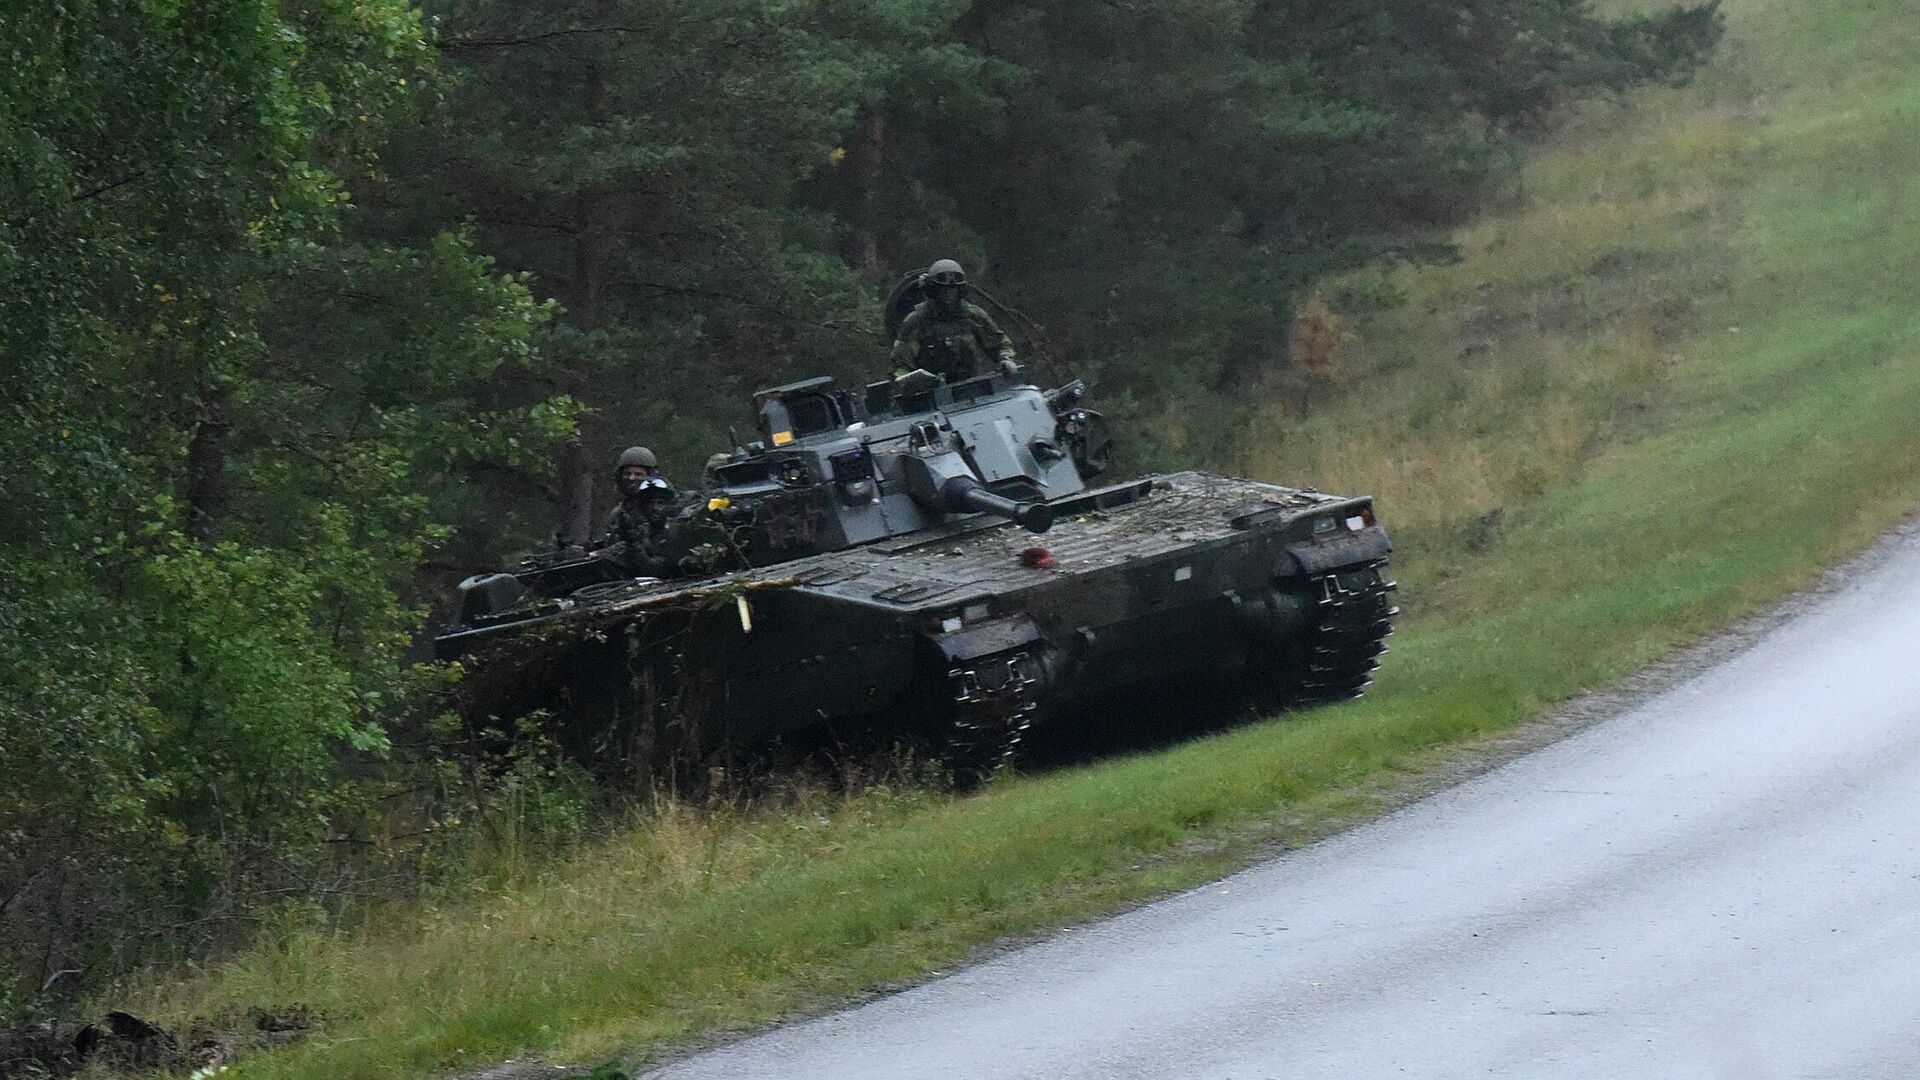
<point x="934" y="556"/>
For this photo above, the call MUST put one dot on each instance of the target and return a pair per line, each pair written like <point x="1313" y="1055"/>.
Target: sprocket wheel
<point x="1350" y="619"/>
<point x="995" y="701"/>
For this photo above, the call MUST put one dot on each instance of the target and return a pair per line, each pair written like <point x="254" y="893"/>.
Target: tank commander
<point x="947" y="335"/>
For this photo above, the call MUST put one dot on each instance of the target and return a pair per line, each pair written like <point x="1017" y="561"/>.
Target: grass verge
<point x="1675" y="374"/>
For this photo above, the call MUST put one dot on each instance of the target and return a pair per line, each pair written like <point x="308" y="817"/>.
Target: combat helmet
<point x="946" y="272"/>
<point x="631" y="457"/>
<point x="655" y="488"/>
<point x="946" y="277"/>
<point x="636" y="455"/>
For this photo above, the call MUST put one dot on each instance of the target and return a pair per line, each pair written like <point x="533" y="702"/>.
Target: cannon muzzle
<point x="963" y="494"/>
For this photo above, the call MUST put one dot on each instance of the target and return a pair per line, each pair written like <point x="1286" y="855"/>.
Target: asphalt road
<point x="1722" y="881"/>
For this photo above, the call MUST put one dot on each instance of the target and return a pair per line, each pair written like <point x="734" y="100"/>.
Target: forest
<point x="311" y="307"/>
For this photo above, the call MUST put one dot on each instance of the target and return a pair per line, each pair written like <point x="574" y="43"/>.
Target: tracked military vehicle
<point x="938" y="557"/>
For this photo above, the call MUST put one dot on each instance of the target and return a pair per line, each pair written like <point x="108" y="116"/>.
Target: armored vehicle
<point x="934" y="556"/>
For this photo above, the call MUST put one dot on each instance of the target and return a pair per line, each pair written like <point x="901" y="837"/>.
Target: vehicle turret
<point x="833" y="470"/>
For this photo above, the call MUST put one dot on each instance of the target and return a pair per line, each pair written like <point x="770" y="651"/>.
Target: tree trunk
<point x="861" y="246"/>
<point x="596" y="233"/>
<point x="576" y="488"/>
<point x="207" y="464"/>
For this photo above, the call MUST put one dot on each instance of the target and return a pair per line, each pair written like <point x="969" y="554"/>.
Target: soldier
<point x="640" y="521"/>
<point x="710" y="475"/>
<point x="636" y="464"/>
<point x="949" y="336"/>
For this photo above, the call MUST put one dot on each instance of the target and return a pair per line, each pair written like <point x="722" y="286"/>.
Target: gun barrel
<point x="964" y="494"/>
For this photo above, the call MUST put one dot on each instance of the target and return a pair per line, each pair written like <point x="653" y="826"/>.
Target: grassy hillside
<point x="1677" y="371"/>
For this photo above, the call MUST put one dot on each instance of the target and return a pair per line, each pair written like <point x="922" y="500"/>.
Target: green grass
<point x="1676" y="374"/>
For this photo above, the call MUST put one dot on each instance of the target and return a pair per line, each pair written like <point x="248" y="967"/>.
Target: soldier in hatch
<point x="638" y="525"/>
<point x="710" y="475"/>
<point x="949" y="336"/>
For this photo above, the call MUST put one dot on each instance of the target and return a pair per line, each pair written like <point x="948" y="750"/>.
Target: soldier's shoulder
<point x="978" y="312"/>
<point x="911" y="323"/>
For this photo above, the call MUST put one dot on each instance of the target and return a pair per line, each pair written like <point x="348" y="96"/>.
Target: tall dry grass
<point x="1496" y="380"/>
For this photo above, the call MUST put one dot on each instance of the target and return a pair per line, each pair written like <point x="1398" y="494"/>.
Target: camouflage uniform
<point x="957" y="345"/>
<point x="637" y="527"/>
<point x="630" y="524"/>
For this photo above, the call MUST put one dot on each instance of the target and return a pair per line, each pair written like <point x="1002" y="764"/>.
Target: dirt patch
<point x="122" y="1043"/>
